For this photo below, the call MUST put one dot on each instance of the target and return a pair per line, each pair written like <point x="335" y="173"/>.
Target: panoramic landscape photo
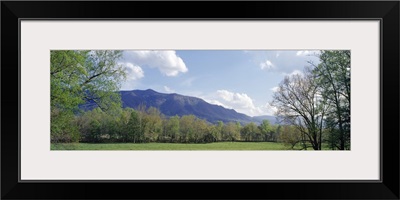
<point x="200" y="100"/>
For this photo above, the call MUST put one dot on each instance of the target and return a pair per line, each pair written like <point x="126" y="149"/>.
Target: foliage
<point x="333" y="77"/>
<point x="148" y="125"/>
<point x="251" y="132"/>
<point x="63" y="126"/>
<point x="171" y="130"/>
<point x="66" y="71"/>
<point x="82" y="76"/>
<point x="268" y="131"/>
<point x="231" y="132"/>
<point x="290" y="136"/>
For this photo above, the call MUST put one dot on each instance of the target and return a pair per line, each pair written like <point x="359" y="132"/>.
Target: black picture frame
<point x="386" y="11"/>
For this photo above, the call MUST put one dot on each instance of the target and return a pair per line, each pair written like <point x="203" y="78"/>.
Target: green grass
<point x="172" y="146"/>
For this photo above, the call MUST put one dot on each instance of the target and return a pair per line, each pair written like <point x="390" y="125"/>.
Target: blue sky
<point x="243" y="80"/>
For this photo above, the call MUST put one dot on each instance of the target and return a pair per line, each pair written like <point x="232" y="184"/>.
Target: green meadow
<point x="171" y="146"/>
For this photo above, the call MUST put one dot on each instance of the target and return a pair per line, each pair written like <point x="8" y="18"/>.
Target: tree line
<point x="149" y="125"/>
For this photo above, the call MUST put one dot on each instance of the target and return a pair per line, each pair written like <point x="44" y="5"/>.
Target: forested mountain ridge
<point x="176" y="104"/>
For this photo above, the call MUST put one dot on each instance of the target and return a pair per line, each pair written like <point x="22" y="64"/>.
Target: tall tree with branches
<point x="299" y="103"/>
<point x="332" y="74"/>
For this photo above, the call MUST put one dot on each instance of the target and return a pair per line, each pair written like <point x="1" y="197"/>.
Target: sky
<point x="243" y="80"/>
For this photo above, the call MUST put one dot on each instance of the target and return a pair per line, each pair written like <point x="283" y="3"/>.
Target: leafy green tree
<point x="231" y="132"/>
<point x="201" y="130"/>
<point x="186" y="128"/>
<point x="120" y="128"/>
<point x="66" y="70"/>
<point x="103" y="78"/>
<point x="250" y="132"/>
<point x="290" y="136"/>
<point x="80" y="76"/>
<point x="154" y="124"/>
<point x="64" y="127"/>
<point x="95" y="129"/>
<point x="266" y="131"/>
<point x="212" y="134"/>
<point x="218" y="132"/>
<point x="333" y="76"/>
<point x="92" y="126"/>
<point x="134" y="132"/>
<point x="173" y="127"/>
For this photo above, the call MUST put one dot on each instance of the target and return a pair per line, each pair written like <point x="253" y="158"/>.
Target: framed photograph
<point x="278" y="100"/>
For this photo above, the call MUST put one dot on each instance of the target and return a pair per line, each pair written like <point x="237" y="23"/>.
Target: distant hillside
<point x="176" y="104"/>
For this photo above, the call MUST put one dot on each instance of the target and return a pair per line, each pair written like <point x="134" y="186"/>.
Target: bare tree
<point x="299" y="103"/>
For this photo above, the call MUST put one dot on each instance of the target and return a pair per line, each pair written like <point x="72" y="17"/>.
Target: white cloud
<point x="236" y="98"/>
<point x="267" y="65"/>
<point x="306" y="53"/>
<point x="167" y="62"/>
<point x="240" y="102"/>
<point x="216" y="102"/>
<point x="270" y="110"/>
<point x="169" y="90"/>
<point x="274" y="89"/>
<point x="294" y="72"/>
<point x="282" y="61"/>
<point x="134" y="72"/>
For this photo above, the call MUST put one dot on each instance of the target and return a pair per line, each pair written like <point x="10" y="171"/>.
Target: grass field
<point x="172" y="146"/>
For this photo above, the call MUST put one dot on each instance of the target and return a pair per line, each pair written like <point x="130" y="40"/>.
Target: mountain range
<point x="176" y="104"/>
